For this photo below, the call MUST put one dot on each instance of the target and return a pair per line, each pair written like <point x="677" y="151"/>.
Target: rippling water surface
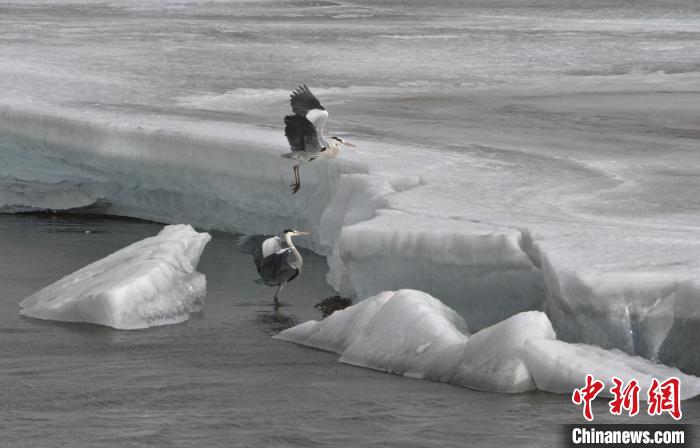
<point x="219" y="379"/>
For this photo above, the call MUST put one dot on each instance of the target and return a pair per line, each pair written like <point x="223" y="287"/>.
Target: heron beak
<point x="350" y="145"/>
<point x="300" y="233"/>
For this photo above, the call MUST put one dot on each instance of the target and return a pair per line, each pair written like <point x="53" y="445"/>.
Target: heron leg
<point x="297" y="180"/>
<point x="277" y="302"/>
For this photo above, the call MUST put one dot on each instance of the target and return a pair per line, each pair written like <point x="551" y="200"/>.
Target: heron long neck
<point x="297" y="255"/>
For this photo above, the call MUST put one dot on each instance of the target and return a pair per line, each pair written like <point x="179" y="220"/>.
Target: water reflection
<point x="275" y="321"/>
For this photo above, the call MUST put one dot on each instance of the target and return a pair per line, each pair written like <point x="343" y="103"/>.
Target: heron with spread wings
<point x="304" y="130"/>
<point x="277" y="259"/>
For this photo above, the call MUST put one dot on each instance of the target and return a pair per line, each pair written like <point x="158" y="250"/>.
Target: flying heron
<point x="304" y="130"/>
<point x="277" y="259"/>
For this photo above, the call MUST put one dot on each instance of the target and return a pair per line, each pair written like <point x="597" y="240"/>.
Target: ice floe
<point x="410" y="333"/>
<point x="151" y="282"/>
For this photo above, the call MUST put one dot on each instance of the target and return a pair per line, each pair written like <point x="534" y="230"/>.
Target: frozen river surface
<point x="219" y="379"/>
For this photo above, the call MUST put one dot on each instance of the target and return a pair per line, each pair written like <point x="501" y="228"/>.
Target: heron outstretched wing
<point x="301" y="134"/>
<point x="302" y="100"/>
<point x="260" y="246"/>
<point x="305" y="104"/>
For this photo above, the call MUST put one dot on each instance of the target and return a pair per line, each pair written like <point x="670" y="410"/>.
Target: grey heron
<point x="277" y="259"/>
<point x="304" y="130"/>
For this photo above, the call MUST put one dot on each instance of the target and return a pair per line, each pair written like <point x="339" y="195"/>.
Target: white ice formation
<point x="472" y="228"/>
<point x="151" y="282"/>
<point x="410" y="333"/>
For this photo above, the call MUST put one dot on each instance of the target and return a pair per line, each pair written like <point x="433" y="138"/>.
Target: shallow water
<point x="219" y="379"/>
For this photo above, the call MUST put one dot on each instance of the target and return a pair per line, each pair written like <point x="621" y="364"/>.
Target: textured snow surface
<point x="410" y="333"/>
<point x="151" y="282"/>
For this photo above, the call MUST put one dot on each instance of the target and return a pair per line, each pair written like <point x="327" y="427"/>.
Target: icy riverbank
<point x="491" y="233"/>
<point x="151" y="282"/>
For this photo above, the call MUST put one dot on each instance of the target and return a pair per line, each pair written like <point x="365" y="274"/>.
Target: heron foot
<point x="295" y="187"/>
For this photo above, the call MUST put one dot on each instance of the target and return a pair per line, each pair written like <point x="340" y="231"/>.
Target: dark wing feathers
<point x="302" y="100"/>
<point x="275" y="269"/>
<point x="252" y="244"/>
<point x="301" y="134"/>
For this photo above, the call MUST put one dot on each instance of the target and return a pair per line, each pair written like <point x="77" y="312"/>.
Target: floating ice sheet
<point x="413" y="334"/>
<point x="151" y="282"/>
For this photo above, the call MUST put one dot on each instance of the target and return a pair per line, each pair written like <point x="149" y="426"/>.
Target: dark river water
<point x="220" y="379"/>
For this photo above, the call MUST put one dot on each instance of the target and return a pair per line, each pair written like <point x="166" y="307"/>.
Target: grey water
<point x="219" y="379"/>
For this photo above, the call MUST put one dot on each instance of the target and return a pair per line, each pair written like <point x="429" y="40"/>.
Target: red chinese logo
<point x="661" y="397"/>
<point x="587" y="394"/>
<point x="665" y="397"/>
<point x="624" y="398"/>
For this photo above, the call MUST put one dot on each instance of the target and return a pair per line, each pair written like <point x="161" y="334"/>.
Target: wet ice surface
<point x="219" y="379"/>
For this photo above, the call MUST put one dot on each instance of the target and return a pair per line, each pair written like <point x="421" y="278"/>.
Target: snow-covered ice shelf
<point x="148" y="283"/>
<point x="411" y="333"/>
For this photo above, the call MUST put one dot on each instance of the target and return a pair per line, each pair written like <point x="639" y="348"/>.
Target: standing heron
<point x="304" y="130"/>
<point x="277" y="259"/>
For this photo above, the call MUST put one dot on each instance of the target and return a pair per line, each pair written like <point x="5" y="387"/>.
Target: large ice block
<point x="151" y="282"/>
